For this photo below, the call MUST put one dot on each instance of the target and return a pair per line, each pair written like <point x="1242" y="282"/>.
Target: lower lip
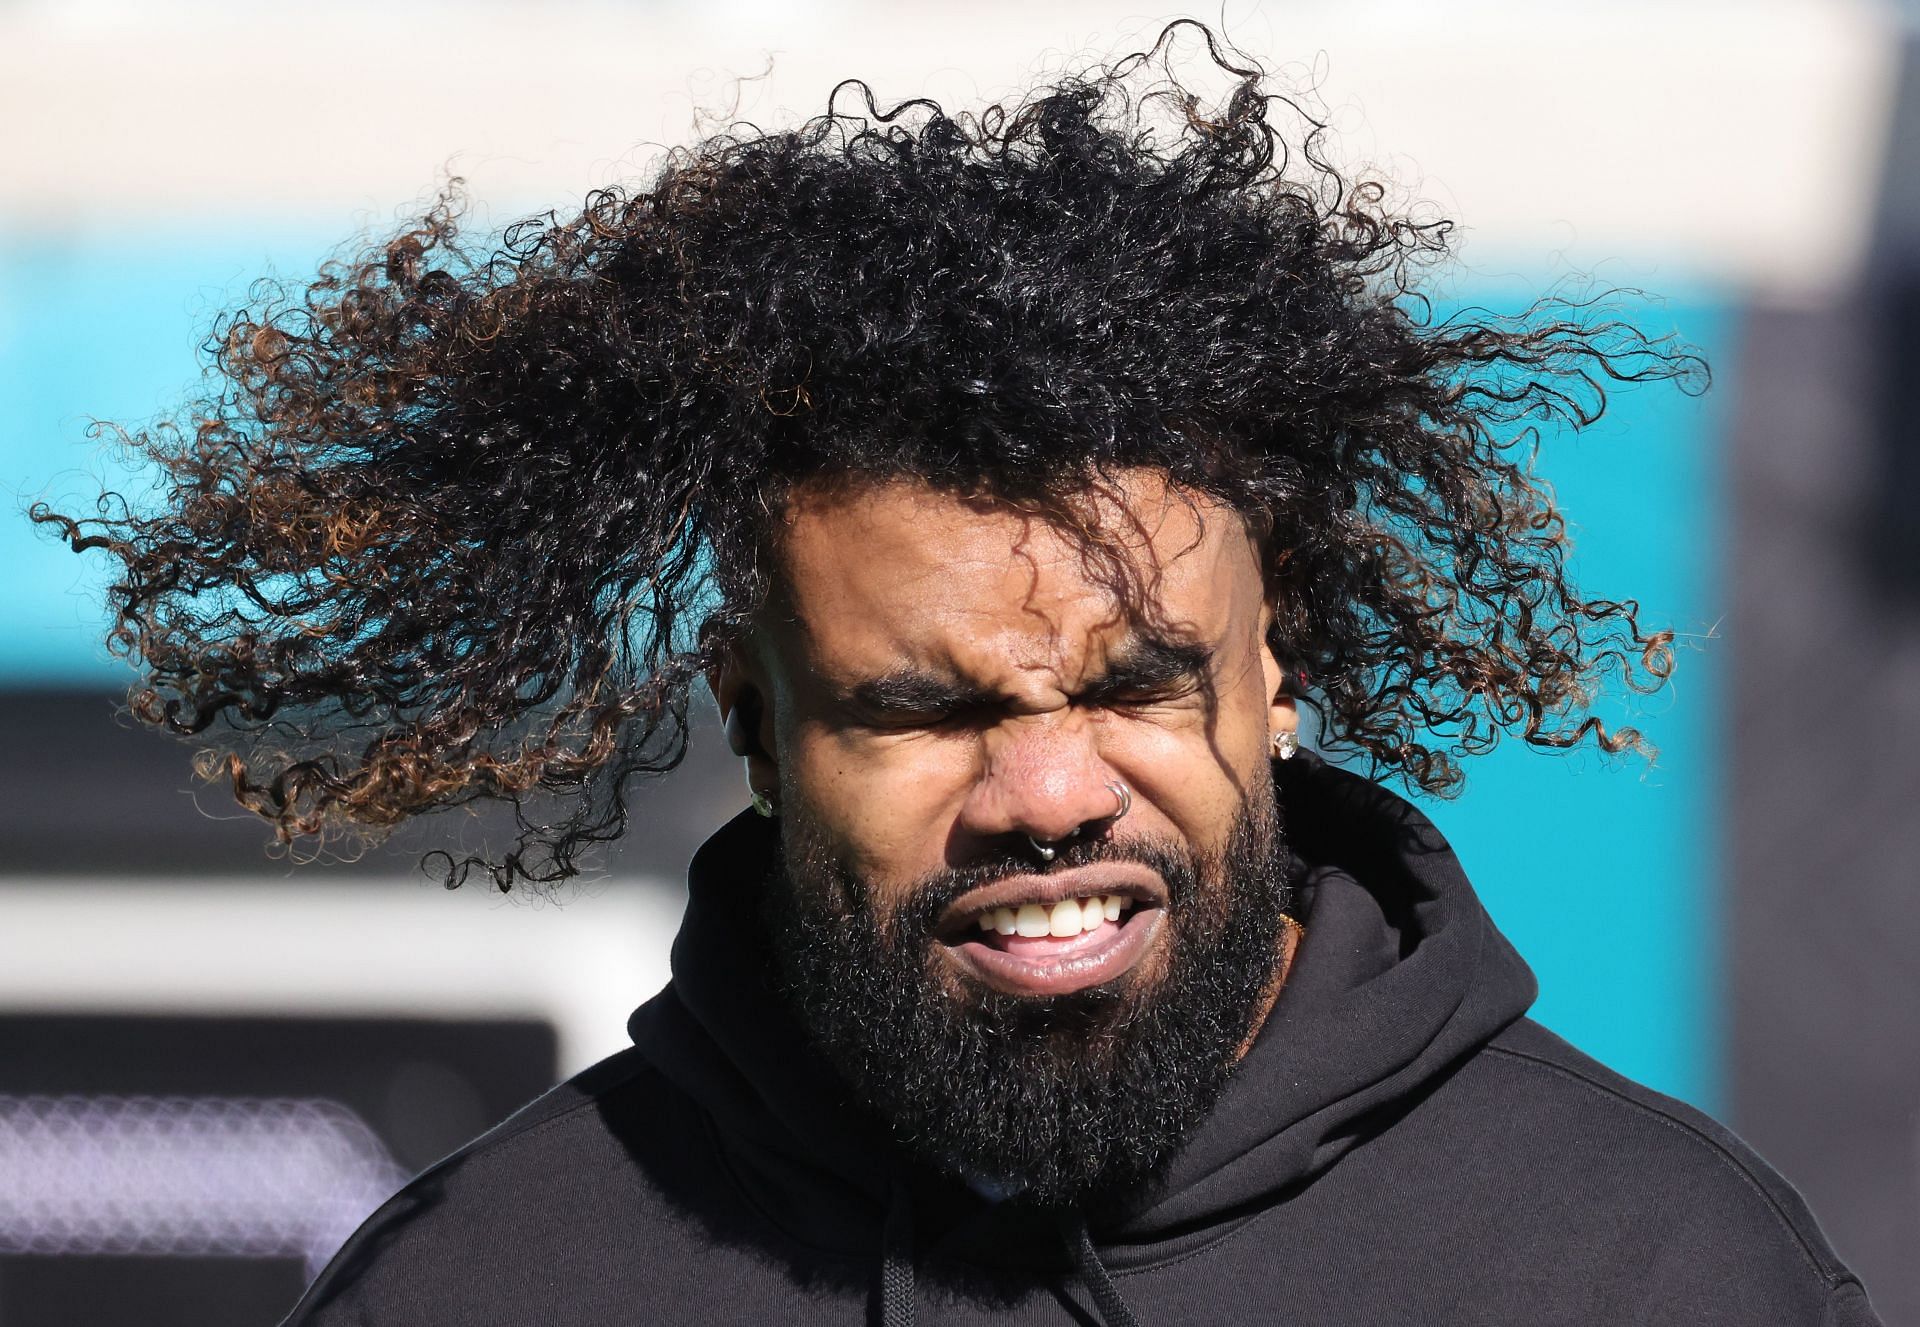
<point x="1105" y="954"/>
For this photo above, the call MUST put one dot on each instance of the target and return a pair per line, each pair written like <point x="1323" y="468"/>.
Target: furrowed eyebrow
<point x="1145" y="666"/>
<point x="1148" y="665"/>
<point x="911" y="691"/>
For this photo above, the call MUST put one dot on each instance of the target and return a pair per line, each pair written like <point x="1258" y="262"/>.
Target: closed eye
<point x="1148" y="672"/>
<point x="1140" y="697"/>
<point x="908" y="699"/>
<point x="1151" y="672"/>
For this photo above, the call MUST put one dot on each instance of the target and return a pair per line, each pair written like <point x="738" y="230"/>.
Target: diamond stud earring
<point x="1285" y="745"/>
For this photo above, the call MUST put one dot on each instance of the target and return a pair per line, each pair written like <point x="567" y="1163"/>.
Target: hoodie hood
<point x="1399" y="976"/>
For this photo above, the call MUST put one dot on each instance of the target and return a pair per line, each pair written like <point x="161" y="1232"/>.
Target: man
<point x="1010" y="480"/>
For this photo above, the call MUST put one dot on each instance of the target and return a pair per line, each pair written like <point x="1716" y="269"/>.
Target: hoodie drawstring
<point x="1094" y="1275"/>
<point x="896" y="1258"/>
<point x="896" y="1265"/>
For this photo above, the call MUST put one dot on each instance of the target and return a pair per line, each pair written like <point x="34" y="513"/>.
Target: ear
<point x="740" y="691"/>
<point x="1283" y="713"/>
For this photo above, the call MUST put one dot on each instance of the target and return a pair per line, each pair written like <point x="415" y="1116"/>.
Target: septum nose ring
<point x="1047" y="849"/>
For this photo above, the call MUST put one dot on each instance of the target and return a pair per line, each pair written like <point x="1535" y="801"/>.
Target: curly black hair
<point x="469" y="521"/>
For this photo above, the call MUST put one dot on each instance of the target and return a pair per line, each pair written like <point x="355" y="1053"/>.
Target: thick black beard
<point x="1068" y="1100"/>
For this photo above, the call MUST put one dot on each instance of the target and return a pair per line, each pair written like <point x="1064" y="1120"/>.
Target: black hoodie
<point x="1400" y="1145"/>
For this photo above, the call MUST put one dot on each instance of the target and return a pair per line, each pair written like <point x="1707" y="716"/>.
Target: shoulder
<point x="1665" y="1144"/>
<point x="1703" y="1218"/>
<point x="483" y="1235"/>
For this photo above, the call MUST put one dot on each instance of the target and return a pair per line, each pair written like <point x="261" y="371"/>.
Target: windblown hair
<point x="468" y="521"/>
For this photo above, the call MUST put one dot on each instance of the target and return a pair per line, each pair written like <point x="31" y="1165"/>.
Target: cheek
<point x="1199" y="766"/>
<point x="1194" y="780"/>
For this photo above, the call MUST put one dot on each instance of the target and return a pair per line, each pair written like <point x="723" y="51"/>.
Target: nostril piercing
<point x="1047" y="849"/>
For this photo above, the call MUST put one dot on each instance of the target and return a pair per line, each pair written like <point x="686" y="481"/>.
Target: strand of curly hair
<point x="469" y="521"/>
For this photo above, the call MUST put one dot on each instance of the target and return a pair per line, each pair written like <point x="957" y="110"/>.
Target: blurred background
<point x="214" y="1059"/>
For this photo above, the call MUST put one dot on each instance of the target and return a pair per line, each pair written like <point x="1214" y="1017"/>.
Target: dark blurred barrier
<point x="197" y="1171"/>
<point x="1892" y="302"/>
<point x="1891" y="548"/>
<point x="1823" y="896"/>
<point x="85" y="790"/>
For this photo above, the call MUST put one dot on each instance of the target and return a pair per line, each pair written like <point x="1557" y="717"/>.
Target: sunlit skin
<point x="940" y="677"/>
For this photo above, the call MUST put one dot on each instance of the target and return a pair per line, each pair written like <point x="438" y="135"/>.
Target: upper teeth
<point x="1068" y="917"/>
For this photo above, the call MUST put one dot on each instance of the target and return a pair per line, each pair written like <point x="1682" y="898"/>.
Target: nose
<point x="1044" y="780"/>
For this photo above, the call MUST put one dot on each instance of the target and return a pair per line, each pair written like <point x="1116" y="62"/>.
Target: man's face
<point x="941" y="684"/>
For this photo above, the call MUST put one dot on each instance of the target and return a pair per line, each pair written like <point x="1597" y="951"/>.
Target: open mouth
<point x="1059" y="933"/>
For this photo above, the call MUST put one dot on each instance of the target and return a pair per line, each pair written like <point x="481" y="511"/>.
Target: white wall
<point x="1667" y="141"/>
<point x="401" y="948"/>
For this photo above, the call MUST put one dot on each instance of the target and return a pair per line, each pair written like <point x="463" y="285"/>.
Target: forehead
<point x="876" y="574"/>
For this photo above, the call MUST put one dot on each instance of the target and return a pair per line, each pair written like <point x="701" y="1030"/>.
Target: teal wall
<point x="1603" y="872"/>
<point x="94" y="327"/>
